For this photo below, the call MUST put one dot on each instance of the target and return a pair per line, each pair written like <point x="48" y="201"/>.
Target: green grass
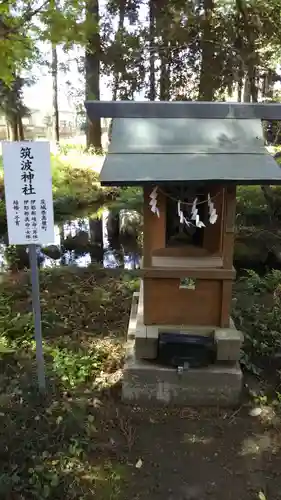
<point x="57" y="445"/>
<point x="76" y="187"/>
<point x="77" y="190"/>
<point x="84" y="316"/>
<point x="77" y="441"/>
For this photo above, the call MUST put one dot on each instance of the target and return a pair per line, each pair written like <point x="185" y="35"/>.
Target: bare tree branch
<point x="6" y="30"/>
<point x="29" y="15"/>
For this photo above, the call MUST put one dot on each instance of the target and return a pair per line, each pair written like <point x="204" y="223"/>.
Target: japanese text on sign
<point x="28" y="192"/>
<point x="27" y="175"/>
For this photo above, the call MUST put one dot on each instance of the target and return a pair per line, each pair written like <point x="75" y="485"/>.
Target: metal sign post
<point x="30" y="218"/>
<point x="35" y="287"/>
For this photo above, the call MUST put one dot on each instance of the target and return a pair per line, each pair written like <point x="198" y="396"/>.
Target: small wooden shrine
<point x="189" y="166"/>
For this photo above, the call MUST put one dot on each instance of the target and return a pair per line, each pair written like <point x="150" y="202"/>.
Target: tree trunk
<point x="239" y="90"/>
<point x="253" y="82"/>
<point x="14" y="129"/>
<point x="206" y="85"/>
<point x="21" y="129"/>
<point x="96" y="233"/>
<point x="273" y="205"/>
<point x="92" y="71"/>
<point x="162" y="32"/>
<point x="251" y="58"/>
<point x="240" y="82"/>
<point x="152" y="85"/>
<point x="118" y="39"/>
<point x="247" y="90"/>
<point x="268" y="85"/>
<point x="113" y="226"/>
<point x="8" y="134"/>
<point x="55" y="121"/>
<point x="164" y="76"/>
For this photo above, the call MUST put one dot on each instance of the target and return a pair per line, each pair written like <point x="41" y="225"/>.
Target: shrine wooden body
<point x="209" y="148"/>
<point x="209" y="303"/>
<point x="188" y="157"/>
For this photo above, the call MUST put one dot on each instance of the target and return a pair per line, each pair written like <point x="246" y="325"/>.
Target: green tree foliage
<point x="25" y="23"/>
<point x="166" y="49"/>
<point x="12" y="106"/>
<point x="183" y="36"/>
<point x="191" y="49"/>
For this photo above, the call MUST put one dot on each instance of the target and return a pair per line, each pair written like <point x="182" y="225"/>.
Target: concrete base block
<point x="228" y="343"/>
<point x="146" y="348"/>
<point x="145" y="382"/>
<point x="133" y="316"/>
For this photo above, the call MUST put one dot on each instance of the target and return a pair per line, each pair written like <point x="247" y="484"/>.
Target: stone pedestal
<point x="145" y="382"/>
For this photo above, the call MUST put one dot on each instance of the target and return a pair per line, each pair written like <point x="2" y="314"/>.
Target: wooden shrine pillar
<point x="154" y="228"/>
<point x="213" y="233"/>
<point x="228" y="251"/>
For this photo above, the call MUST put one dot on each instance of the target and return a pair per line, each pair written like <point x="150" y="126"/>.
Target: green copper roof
<point x="155" y="150"/>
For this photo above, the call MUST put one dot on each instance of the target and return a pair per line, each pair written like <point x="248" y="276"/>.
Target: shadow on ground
<point x="71" y="444"/>
<point x="79" y="441"/>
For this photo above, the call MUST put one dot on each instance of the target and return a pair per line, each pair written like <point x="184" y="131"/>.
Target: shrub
<point x="257" y="313"/>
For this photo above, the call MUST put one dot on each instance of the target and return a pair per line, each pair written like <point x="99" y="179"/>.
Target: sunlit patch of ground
<point x="79" y="441"/>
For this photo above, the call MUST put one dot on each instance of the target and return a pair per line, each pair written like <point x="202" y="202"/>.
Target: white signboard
<point x="28" y="192"/>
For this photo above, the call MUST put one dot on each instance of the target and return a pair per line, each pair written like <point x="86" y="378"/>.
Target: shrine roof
<point x="155" y="142"/>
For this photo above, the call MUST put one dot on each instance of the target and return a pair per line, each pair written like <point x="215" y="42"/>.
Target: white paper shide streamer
<point x="195" y="215"/>
<point x="212" y="211"/>
<point x="153" y="202"/>
<point x="183" y="219"/>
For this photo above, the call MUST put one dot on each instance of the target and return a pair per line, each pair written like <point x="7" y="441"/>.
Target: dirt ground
<point x="208" y="454"/>
<point x="78" y="442"/>
<point x="100" y="448"/>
